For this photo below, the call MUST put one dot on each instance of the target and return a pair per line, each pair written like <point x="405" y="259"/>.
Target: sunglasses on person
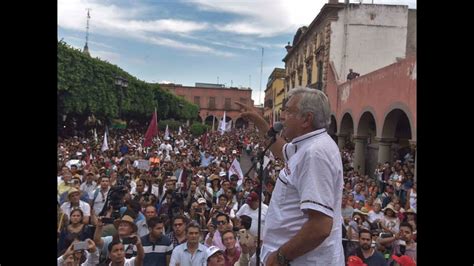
<point x="221" y="222"/>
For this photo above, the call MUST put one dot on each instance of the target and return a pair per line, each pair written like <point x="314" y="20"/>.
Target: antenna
<point x="250" y="81"/>
<point x="86" y="47"/>
<point x="261" y="73"/>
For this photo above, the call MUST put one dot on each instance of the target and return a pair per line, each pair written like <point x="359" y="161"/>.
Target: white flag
<point x="235" y="169"/>
<point x="222" y="125"/>
<point x="266" y="160"/>
<point x="167" y="133"/>
<point x="272" y="158"/>
<point x="105" y="145"/>
<point x="95" y="135"/>
<point x="179" y="131"/>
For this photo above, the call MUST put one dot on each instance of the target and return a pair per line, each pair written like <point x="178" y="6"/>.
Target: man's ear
<point x="308" y="120"/>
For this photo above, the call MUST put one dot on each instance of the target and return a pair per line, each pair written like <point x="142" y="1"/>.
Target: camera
<point x="114" y="200"/>
<point x="177" y="204"/>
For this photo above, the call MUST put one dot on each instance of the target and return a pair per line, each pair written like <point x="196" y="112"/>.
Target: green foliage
<point x="198" y="129"/>
<point x="87" y="86"/>
<point x="173" y="125"/>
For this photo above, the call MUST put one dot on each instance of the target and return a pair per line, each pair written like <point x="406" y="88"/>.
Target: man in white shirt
<point x="251" y="209"/>
<point x="99" y="196"/>
<point x="303" y="222"/>
<point x="166" y="147"/>
<point x="89" y="185"/>
<point x="75" y="202"/>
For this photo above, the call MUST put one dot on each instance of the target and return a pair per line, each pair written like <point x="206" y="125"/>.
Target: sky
<point x="191" y="41"/>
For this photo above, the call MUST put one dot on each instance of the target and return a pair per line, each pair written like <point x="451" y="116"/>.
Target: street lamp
<point x="121" y="83"/>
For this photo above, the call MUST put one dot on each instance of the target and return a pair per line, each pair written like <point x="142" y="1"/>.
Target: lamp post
<point x="121" y="83"/>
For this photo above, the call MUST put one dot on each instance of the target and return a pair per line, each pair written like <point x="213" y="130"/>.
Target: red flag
<point x="151" y="131"/>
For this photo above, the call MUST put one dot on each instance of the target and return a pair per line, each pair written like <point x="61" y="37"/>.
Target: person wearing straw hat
<point x="74" y="201"/>
<point x="125" y="227"/>
<point x="390" y="222"/>
<point x="359" y="222"/>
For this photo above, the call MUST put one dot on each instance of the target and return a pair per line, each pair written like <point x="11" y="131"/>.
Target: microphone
<point x="273" y="131"/>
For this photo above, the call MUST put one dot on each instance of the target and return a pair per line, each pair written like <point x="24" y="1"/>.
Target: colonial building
<point x="274" y="94"/>
<point x="213" y="100"/>
<point x="362" y="37"/>
<point x="375" y="112"/>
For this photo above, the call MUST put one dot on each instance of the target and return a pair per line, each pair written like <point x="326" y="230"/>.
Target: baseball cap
<point x="355" y="261"/>
<point x="404" y="260"/>
<point x="253" y="196"/>
<point x="212" y="250"/>
<point x="201" y="200"/>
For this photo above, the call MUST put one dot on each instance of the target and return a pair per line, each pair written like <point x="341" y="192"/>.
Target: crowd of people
<point x="176" y="203"/>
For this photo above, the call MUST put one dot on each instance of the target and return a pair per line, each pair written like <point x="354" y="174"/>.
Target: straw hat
<point x="128" y="219"/>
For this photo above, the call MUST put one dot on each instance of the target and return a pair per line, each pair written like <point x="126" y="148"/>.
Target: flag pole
<point x="156" y="121"/>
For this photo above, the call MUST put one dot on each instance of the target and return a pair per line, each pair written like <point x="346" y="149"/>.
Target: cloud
<point x="121" y="22"/>
<point x="185" y="46"/>
<point x="268" y="18"/>
<point x="263" y="18"/>
<point x="168" y="25"/>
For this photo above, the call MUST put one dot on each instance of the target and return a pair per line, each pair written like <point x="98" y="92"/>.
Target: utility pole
<point x="86" y="47"/>
<point x="261" y="73"/>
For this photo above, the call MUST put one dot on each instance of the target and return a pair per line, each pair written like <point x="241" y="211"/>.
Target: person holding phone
<point x="74" y="254"/>
<point x="125" y="228"/>
<point x="75" y="226"/>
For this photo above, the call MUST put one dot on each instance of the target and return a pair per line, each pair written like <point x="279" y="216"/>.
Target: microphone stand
<point x="260" y="178"/>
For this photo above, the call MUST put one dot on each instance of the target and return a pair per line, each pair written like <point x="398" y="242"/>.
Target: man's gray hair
<point x="316" y="102"/>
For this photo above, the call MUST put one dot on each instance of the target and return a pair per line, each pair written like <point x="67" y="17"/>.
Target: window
<point x="300" y="80"/>
<point x="320" y="75"/>
<point x="227" y="104"/>
<point x="212" y="102"/>
<point x="309" y="71"/>
<point x="197" y="101"/>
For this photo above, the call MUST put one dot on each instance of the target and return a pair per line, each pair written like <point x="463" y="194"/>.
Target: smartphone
<point x="80" y="245"/>
<point x="129" y="240"/>
<point x="107" y="220"/>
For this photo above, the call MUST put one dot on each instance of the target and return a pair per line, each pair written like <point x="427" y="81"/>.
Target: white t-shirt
<point x="85" y="207"/>
<point x="312" y="179"/>
<point x="99" y="201"/>
<point x="246" y="210"/>
<point x="374" y="216"/>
